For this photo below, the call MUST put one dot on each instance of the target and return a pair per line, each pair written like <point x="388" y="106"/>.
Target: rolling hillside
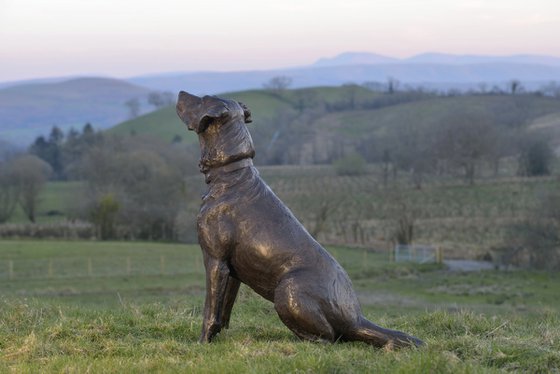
<point x="322" y="128"/>
<point x="27" y="111"/>
<point x="264" y="105"/>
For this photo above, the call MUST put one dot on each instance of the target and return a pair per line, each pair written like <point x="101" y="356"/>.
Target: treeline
<point x="457" y="142"/>
<point x="133" y="187"/>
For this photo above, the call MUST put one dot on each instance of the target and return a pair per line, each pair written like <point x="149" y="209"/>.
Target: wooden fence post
<point x="162" y="265"/>
<point x="10" y="269"/>
<point x="439" y="255"/>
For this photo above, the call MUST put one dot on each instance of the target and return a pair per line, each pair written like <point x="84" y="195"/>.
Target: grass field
<point x="136" y="307"/>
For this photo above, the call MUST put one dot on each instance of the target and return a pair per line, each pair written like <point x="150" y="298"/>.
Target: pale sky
<point x="122" y="38"/>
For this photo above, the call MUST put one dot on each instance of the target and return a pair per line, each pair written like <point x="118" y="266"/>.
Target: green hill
<point x="505" y="110"/>
<point x="310" y="123"/>
<point x="265" y="106"/>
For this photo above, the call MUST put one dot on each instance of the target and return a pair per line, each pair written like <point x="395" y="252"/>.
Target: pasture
<point x="136" y="307"/>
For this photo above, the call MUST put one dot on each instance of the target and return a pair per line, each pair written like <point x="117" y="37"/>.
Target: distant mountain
<point x="355" y="58"/>
<point x="447" y="59"/>
<point x="35" y="81"/>
<point x="440" y="76"/>
<point x="29" y="110"/>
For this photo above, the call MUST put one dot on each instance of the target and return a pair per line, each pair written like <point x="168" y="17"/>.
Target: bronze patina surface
<point x="248" y="235"/>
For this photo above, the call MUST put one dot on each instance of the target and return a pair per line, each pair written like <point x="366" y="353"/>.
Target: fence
<point x="418" y="253"/>
<point x="110" y="266"/>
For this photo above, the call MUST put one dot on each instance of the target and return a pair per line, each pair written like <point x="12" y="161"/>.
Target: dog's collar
<point x="228" y="168"/>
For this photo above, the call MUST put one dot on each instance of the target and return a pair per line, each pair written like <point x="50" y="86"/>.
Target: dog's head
<point x="199" y="113"/>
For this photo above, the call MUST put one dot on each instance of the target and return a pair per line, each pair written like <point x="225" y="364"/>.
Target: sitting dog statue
<point x="248" y="235"/>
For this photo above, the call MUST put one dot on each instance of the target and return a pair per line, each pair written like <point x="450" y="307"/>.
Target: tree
<point x="465" y="140"/>
<point x="135" y="187"/>
<point x="168" y="97"/>
<point x="9" y="190"/>
<point x="392" y="85"/>
<point x="156" y="99"/>
<point x="278" y="83"/>
<point x="535" y="241"/>
<point x="535" y="157"/>
<point x="104" y="216"/>
<point x="514" y="86"/>
<point x="31" y="174"/>
<point x="403" y="215"/>
<point x="133" y="106"/>
<point x="352" y="164"/>
<point x="413" y="150"/>
<point x="50" y="151"/>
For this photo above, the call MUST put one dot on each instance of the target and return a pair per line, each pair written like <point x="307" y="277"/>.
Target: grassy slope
<point x="357" y="123"/>
<point x="426" y="113"/>
<point x="165" y="124"/>
<point x="149" y="319"/>
<point x="264" y="105"/>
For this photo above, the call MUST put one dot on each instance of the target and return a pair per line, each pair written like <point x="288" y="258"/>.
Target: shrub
<point x="535" y="241"/>
<point x="352" y="164"/>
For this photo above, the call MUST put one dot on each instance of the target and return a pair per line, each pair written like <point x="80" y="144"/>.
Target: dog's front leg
<point x="231" y="293"/>
<point x="217" y="273"/>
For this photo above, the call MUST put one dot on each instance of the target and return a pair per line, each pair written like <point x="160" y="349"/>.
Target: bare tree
<point x="156" y="99"/>
<point x="465" y="140"/>
<point x="133" y="106"/>
<point x="31" y="174"/>
<point x="535" y="241"/>
<point x="168" y="98"/>
<point x="403" y="214"/>
<point x="392" y="85"/>
<point x="278" y="83"/>
<point x="9" y="191"/>
<point x="514" y="86"/>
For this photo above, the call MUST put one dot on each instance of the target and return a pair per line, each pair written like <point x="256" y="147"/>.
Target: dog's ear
<point x="188" y="108"/>
<point x="212" y="109"/>
<point x="246" y="112"/>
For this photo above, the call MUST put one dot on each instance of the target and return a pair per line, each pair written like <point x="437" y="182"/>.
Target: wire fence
<point x="95" y="267"/>
<point x="418" y="253"/>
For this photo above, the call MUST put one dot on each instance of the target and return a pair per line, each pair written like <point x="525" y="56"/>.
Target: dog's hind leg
<point x="232" y="288"/>
<point x="301" y="314"/>
<point x="217" y="275"/>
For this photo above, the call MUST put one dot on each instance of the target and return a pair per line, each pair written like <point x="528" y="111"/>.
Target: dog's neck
<point x="210" y="174"/>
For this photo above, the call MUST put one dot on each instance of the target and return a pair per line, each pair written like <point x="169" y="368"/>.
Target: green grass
<point x="425" y="114"/>
<point x="539" y="112"/>
<point x="264" y="105"/>
<point x="163" y="124"/>
<point x="149" y="319"/>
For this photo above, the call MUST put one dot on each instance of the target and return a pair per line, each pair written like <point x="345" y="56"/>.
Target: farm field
<point x="466" y="221"/>
<point x="136" y="307"/>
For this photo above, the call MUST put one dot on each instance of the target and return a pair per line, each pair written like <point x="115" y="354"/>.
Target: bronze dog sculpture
<point x="248" y="235"/>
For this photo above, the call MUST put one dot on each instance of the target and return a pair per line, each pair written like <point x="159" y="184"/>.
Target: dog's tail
<point x="378" y="336"/>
